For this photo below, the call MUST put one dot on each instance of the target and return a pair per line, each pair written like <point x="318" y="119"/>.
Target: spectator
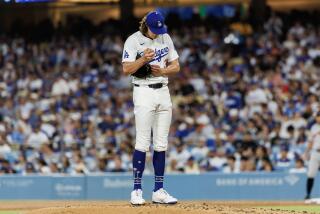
<point x="43" y="167"/>
<point x="266" y="165"/>
<point x="192" y="166"/>
<point x="5" y="149"/>
<point x="231" y="166"/>
<point x="172" y="167"/>
<point x="284" y="161"/>
<point x="299" y="167"/>
<point x="200" y="151"/>
<point x="215" y="161"/>
<point x="181" y="155"/>
<point x="29" y="169"/>
<point x="116" y="165"/>
<point x="37" y="138"/>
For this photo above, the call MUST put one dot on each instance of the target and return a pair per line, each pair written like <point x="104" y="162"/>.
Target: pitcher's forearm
<point x="131" y="67"/>
<point x="172" y="68"/>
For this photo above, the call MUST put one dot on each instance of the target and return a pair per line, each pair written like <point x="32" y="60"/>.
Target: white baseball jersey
<point x="315" y="136"/>
<point x="164" y="52"/>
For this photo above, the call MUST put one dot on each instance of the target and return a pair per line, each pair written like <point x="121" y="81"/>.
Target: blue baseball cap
<point x="155" y="23"/>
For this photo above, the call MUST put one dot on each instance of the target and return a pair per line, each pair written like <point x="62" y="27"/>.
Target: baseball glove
<point x="143" y="71"/>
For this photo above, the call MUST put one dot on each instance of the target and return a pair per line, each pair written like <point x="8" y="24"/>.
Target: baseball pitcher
<point x="314" y="147"/>
<point x="149" y="56"/>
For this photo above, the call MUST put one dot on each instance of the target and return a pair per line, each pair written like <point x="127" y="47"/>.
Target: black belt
<point x="154" y="86"/>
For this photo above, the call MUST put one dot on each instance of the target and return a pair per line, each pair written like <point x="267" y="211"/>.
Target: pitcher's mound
<point x="182" y="207"/>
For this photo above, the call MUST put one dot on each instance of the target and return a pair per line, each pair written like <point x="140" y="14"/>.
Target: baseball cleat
<point x="136" y="197"/>
<point x="308" y="201"/>
<point x="162" y="197"/>
<point x="312" y="201"/>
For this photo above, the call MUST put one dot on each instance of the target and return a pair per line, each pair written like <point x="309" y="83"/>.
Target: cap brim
<point x="157" y="31"/>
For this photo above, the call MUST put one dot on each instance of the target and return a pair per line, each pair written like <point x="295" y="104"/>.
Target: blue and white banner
<point x="69" y="187"/>
<point x="210" y="186"/>
<point x="25" y="187"/>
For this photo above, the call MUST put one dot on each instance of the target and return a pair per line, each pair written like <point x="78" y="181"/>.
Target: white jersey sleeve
<point x="130" y="50"/>
<point x="172" y="55"/>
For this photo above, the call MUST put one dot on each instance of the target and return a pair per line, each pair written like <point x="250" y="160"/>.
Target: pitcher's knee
<point x="142" y="147"/>
<point x="312" y="174"/>
<point x="160" y="148"/>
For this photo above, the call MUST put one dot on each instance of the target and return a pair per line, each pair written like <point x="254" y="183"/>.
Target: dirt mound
<point x="182" y="207"/>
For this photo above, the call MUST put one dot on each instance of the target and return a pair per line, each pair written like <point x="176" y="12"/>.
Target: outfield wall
<point x="210" y="186"/>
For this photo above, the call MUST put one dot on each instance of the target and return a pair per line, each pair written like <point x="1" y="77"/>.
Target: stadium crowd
<point x="243" y="101"/>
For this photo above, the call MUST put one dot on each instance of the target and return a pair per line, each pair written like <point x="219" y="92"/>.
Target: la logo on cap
<point x="155" y="22"/>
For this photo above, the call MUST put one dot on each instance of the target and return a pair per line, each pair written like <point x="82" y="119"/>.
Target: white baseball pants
<point x="153" y="111"/>
<point x="314" y="164"/>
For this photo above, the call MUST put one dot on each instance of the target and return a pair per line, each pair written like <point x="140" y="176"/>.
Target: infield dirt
<point x="107" y="207"/>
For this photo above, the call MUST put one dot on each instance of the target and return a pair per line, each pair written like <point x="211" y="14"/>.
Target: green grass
<point x="308" y="208"/>
<point x="9" y="212"/>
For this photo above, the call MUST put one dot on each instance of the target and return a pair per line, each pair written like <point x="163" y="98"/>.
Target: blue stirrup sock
<point x="159" y="160"/>
<point x="138" y="163"/>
